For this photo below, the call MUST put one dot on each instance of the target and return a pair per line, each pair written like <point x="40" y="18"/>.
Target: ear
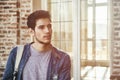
<point x="31" y="33"/>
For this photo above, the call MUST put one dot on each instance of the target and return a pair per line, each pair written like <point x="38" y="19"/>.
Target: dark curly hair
<point x="33" y="17"/>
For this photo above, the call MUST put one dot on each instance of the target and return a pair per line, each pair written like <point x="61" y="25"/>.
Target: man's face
<point x="43" y="31"/>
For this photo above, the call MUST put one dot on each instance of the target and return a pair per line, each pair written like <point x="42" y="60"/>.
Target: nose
<point x="47" y="29"/>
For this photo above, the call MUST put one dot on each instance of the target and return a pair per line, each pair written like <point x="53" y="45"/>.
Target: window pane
<point x="66" y="31"/>
<point x="101" y="31"/>
<point x="55" y="11"/>
<point x="83" y="50"/>
<point x="97" y="1"/>
<point x="56" y="43"/>
<point x="59" y="13"/>
<point x="101" y="22"/>
<point x="90" y="1"/>
<point x="101" y="49"/>
<point x="101" y="1"/>
<point x="60" y="0"/>
<point x="66" y="46"/>
<point x="90" y="55"/>
<point x="66" y="12"/>
<point x="90" y="22"/>
<point x="101" y="15"/>
<point x="56" y="31"/>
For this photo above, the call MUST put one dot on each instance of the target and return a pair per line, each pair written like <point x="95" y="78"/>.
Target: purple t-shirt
<point x="37" y="65"/>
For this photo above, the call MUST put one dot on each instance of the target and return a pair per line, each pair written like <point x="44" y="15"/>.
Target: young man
<point x="40" y="60"/>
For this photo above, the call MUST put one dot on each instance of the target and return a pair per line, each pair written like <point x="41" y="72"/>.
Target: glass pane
<point x="55" y="12"/>
<point x="66" y="12"/>
<point x="66" y="31"/>
<point x="59" y="11"/>
<point x="101" y="31"/>
<point x="83" y="29"/>
<point x="90" y="1"/>
<point x="56" y="43"/>
<point x="60" y="0"/>
<point x="56" y="31"/>
<point x="101" y="14"/>
<point x="101" y="22"/>
<point x="83" y="50"/>
<point x="101" y="49"/>
<point x="67" y="46"/>
<point x="90" y="55"/>
<point x="90" y="22"/>
<point x="101" y="1"/>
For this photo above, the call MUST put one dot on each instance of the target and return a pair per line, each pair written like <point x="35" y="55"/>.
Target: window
<point x="94" y="40"/>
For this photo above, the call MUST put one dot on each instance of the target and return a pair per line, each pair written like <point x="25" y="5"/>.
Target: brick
<point x="4" y="55"/>
<point x="2" y="51"/>
<point x="1" y="43"/>
<point x="1" y="36"/>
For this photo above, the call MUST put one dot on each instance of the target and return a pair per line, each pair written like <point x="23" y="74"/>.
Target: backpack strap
<point x="20" y="49"/>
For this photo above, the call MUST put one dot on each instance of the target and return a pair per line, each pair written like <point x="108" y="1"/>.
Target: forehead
<point x="43" y="21"/>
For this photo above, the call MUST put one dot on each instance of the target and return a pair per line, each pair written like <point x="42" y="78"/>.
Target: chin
<point x="47" y="42"/>
<point x="43" y="41"/>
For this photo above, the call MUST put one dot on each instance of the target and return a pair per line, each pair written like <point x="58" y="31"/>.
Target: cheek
<point x="37" y="33"/>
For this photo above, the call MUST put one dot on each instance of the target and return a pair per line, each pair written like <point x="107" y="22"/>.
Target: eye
<point x="41" y="27"/>
<point x="49" y="25"/>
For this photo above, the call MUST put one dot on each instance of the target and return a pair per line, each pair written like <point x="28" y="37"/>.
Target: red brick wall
<point x="13" y="28"/>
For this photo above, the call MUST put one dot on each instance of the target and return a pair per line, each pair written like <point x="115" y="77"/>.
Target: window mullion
<point x="94" y="31"/>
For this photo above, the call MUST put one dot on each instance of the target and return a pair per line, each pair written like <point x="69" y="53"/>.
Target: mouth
<point x="47" y="37"/>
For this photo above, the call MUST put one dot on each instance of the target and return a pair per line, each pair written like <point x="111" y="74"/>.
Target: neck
<point x="41" y="47"/>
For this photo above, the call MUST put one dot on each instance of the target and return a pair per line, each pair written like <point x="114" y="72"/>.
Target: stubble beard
<point x="41" y="42"/>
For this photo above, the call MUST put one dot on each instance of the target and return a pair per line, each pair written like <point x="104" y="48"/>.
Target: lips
<point x="47" y="37"/>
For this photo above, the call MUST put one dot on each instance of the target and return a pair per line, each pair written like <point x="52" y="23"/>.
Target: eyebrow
<point x="44" y="25"/>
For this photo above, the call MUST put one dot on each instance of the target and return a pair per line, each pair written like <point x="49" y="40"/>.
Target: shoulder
<point x="14" y="48"/>
<point x="63" y="57"/>
<point x="61" y="54"/>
